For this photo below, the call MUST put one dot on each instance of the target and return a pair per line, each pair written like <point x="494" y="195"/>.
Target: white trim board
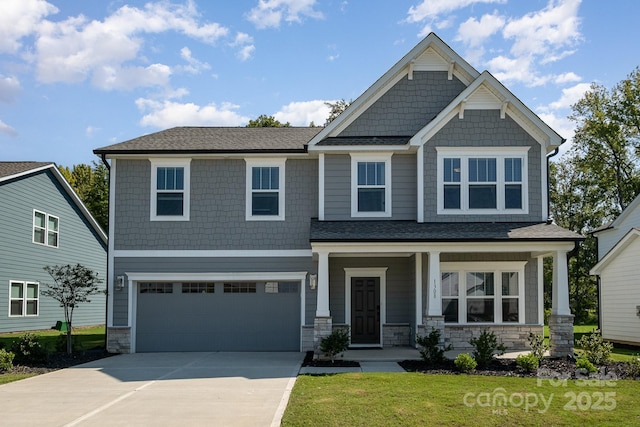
<point x="214" y="253"/>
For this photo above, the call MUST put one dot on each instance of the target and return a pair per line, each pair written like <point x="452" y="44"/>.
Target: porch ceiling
<point x="411" y="231"/>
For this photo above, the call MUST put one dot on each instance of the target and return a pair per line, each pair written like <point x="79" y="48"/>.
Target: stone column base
<point x="561" y="335"/>
<point x="434" y="322"/>
<point x="119" y="339"/>
<point x="322" y="327"/>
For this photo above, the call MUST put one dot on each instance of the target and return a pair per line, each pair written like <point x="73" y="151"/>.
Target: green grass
<point x="9" y="378"/>
<point x="87" y="338"/>
<point x="412" y="399"/>
<point x="619" y="354"/>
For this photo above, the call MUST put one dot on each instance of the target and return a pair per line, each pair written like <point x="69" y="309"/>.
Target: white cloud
<point x="563" y="126"/>
<point x="76" y="48"/>
<point x="194" y="66"/>
<point x="271" y="13"/>
<point x="6" y="129"/>
<point x="9" y="88"/>
<point x="473" y="32"/>
<point x="569" y="77"/>
<point x="21" y="18"/>
<point x="245" y="42"/>
<point x="570" y="96"/>
<point x="516" y="70"/>
<point x="430" y="12"/>
<point x="165" y="114"/>
<point x="91" y="130"/>
<point x="303" y="113"/>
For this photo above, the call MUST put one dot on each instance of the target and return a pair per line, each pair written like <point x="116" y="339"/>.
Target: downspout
<point x="549" y="156"/>
<point x="103" y="157"/>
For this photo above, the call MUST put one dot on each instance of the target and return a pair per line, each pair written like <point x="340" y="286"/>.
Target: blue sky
<point x="77" y="75"/>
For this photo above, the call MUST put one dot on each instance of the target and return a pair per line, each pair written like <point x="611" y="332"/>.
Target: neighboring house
<point x="44" y="223"/>
<point x="423" y="205"/>
<point x="618" y="271"/>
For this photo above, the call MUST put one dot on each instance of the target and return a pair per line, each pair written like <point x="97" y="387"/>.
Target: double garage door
<point x="217" y="316"/>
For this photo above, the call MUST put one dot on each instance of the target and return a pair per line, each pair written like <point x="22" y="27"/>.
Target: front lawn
<point x="413" y="399"/>
<point x="86" y="338"/>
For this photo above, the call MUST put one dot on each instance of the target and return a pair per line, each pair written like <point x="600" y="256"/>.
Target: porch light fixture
<point x="119" y="285"/>
<point x="313" y="281"/>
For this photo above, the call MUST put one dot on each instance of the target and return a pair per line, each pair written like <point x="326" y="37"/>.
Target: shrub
<point x="528" y="362"/>
<point x="634" y="367"/>
<point x="336" y="343"/>
<point x="431" y="350"/>
<point x="61" y="343"/>
<point x="585" y="365"/>
<point x="596" y="349"/>
<point x="465" y="363"/>
<point x="485" y="347"/>
<point x="6" y="360"/>
<point x="538" y="346"/>
<point x="28" y="350"/>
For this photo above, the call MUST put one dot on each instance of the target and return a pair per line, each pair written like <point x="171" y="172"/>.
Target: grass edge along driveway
<point x="414" y="399"/>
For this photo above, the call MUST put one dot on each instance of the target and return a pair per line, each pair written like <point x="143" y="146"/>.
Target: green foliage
<point x="596" y="349"/>
<point x="431" y="350"/>
<point x="6" y="360"/>
<point x="528" y="362"/>
<point x="485" y="347"/>
<point x="264" y="121"/>
<point x="60" y="343"/>
<point x="465" y="363"/>
<point x="537" y="344"/>
<point x="91" y="184"/>
<point x="73" y="285"/>
<point x="336" y="108"/>
<point x="335" y="343"/>
<point x="585" y="365"/>
<point x="634" y="367"/>
<point x="28" y="350"/>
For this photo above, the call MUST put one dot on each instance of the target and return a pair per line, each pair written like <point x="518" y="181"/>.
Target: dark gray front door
<point x="365" y="310"/>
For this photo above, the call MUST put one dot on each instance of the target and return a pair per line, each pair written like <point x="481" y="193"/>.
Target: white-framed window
<point x="46" y="229"/>
<point x="482" y="180"/>
<point x="170" y="189"/>
<point x="371" y="185"/>
<point x="265" y="192"/>
<point x="24" y="299"/>
<point x="490" y="292"/>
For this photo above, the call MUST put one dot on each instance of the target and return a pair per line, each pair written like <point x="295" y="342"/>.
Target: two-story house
<point x="424" y="204"/>
<point x="44" y="223"/>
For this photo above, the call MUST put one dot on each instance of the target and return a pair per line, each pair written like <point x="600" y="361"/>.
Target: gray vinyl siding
<point x="22" y="260"/>
<point x="123" y="266"/>
<point x="408" y="106"/>
<point x="483" y="128"/>
<point x="218" y="208"/>
<point x="337" y="205"/>
<point x="400" y="296"/>
<point x="530" y="273"/>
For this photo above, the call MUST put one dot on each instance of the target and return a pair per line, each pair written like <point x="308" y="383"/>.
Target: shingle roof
<point x="411" y="231"/>
<point x="216" y="140"/>
<point x="365" y="140"/>
<point x="13" y="168"/>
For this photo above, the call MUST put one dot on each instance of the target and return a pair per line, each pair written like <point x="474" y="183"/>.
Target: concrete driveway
<point x="157" y="389"/>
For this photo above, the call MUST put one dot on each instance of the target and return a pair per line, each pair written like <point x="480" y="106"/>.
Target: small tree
<point x="72" y="286"/>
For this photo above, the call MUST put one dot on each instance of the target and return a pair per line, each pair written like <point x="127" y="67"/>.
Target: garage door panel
<point x="218" y="321"/>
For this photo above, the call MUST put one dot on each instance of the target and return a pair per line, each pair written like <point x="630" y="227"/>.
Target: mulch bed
<point x="57" y="361"/>
<point x="564" y="368"/>
<point x="322" y="363"/>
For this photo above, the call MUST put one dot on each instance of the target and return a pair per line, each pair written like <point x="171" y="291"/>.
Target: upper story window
<point x="370" y="185"/>
<point x="485" y="181"/>
<point x="265" y="189"/>
<point x="24" y="299"/>
<point x="45" y="229"/>
<point x="170" y="190"/>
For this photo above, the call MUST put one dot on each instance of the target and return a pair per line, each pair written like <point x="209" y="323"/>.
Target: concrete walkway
<point x="157" y="389"/>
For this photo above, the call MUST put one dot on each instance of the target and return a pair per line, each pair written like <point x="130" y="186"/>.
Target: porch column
<point x="418" y="283"/>
<point x="434" y="293"/>
<point x="322" y="305"/>
<point x="561" y="319"/>
<point x="322" y="324"/>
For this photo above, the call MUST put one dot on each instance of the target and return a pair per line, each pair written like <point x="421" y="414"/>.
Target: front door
<point x="365" y="310"/>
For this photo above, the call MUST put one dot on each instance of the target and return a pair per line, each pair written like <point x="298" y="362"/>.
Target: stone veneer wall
<point x="561" y="335"/>
<point x="514" y="337"/>
<point x="396" y="335"/>
<point x="119" y="339"/>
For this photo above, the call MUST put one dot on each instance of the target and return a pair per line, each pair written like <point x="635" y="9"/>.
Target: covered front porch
<point x="387" y="291"/>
